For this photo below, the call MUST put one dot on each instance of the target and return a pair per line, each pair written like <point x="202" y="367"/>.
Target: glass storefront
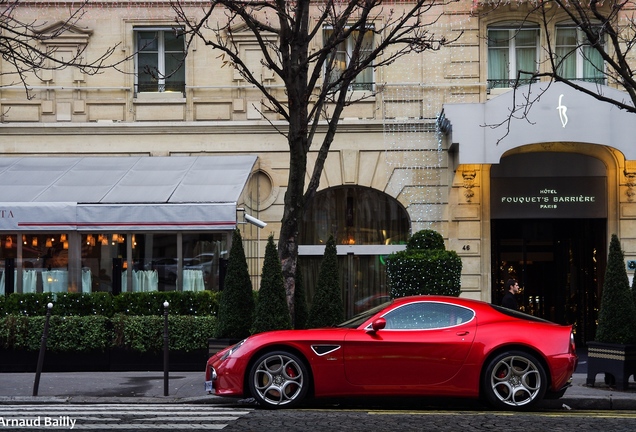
<point x="118" y="224"/>
<point x="112" y="262"/>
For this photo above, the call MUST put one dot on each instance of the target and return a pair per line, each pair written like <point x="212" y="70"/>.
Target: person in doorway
<point x="509" y="300"/>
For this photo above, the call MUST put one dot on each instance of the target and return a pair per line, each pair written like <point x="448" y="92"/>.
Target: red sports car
<point x="412" y="346"/>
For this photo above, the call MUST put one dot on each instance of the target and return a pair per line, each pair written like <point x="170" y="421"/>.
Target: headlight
<point x="233" y="349"/>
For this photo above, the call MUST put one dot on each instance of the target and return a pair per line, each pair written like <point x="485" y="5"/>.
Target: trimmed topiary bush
<point x="272" y="312"/>
<point x="426" y="240"/>
<point x="327" y="308"/>
<point x="236" y="305"/>
<point x="424" y="268"/>
<point x="617" y="314"/>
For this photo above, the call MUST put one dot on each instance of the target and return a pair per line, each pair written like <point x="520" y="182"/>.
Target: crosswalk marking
<point x="119" y="416"/>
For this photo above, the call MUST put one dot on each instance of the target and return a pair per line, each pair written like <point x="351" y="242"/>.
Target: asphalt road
<point x="354" y="420"/>
<point x="329" y="417"/>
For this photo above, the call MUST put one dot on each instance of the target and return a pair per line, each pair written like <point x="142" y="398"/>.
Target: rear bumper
<point x="563" y="366"/>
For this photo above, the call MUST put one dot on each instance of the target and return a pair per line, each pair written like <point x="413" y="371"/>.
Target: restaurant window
<point x="8" y="254"/>
<point x="104" y="262"/>
<point x="204" y="260"/>
<point x="513" y="55"/>
<point x="155" y="262"/>
<point x="43" y="259"/>
<point x="159" y="60"/>
<point x="343" y="55"/>
<point x="576" y="59"/>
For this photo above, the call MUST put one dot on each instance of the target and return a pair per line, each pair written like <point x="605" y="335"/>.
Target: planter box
<point x="97" y="361"/>
<point x="127" y="360"/>
<point x="616" y="360"/>
<point x="27" y="361"/>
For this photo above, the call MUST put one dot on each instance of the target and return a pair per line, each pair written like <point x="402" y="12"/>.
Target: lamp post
<point x="166" y="340"/>
<point x="45" y="332"/>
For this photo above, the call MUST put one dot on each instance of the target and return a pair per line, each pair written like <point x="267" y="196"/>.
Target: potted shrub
<point x="425" y="267"/>
<point x="236" y="304"/>
<point x="272" y="312"/>
<point x="327" y="308"/>
<point x="613" y="350"/>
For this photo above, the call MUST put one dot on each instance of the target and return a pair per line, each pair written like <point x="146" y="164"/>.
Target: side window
<point x="159" y="60"/>
<point x="426" y="316"/>
<point x="576" y="58"/>
<point x="512" y="50"/>
<point x="364" y="80"/>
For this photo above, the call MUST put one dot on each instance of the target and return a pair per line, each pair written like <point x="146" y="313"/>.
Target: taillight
<point x="572" y="343"/>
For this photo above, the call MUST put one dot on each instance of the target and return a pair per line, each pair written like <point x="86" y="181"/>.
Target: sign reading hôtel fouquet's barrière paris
<point x="548" y="197"/>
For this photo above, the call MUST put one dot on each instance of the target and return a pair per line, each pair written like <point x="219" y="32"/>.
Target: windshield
<point x="357" y="320"/>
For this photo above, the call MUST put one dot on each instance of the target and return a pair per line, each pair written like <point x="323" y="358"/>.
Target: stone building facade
<point x="415" y="154"/>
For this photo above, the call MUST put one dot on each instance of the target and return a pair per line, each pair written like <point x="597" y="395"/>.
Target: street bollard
<point x="45" y="332"/>
<point x="166" y="348"/>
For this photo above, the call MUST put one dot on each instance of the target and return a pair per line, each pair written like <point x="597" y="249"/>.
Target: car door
<point x="423" y="343"/>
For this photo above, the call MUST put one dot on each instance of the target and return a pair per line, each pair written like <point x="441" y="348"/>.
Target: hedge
<point x="99" y="333"/>
<point x="200" y="303"/>
<point x="424" y="272"/>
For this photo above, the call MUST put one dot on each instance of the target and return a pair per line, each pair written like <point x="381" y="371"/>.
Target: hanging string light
<point x="414" y="144"/>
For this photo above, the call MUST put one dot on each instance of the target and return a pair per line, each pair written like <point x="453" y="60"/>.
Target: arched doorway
<point x="367" y="225"/>
<point x="548" y="231"/>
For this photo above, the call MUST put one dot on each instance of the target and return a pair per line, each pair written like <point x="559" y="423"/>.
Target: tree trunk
<point x="294" y="53"/>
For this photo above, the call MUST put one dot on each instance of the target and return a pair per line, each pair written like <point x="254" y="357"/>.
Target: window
<point x="576" y="59"/>
<point x="427" y="316"/>
<point x="159" y="60"/>
<point x="511" y="50"/>
<point x="344" y="51"/>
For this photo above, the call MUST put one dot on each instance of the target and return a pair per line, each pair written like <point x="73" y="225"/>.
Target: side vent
<point x="322" y="350"/>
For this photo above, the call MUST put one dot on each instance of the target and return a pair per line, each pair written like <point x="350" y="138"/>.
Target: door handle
<point x="462" y="333"/>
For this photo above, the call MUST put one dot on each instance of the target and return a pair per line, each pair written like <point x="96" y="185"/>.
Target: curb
<point x="56" y="400"/>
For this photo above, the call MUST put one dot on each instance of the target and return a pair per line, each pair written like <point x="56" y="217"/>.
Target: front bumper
<point x="211" y="378"/>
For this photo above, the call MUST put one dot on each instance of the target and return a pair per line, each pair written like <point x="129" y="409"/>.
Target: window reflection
<point x="355" y="216"/>
<point x="8" y="254"/>
<point x="103" y="258"/>
<point x="203" y="259"/>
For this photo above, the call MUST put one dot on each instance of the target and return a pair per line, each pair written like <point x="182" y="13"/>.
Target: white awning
<point x="121" y="193"/>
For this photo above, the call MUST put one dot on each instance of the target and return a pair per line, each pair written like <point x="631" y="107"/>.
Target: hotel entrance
<point x="559" y="264"/>
<point x="549" y="231"/>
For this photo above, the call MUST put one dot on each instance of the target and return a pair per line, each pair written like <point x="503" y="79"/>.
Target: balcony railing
<point x="514" y="83"/>
<point x="172" y="86"/>
<point x="509" y="83"/>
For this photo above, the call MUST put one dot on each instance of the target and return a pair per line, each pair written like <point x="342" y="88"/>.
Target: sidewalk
<point x="106" y="387"/>
<point x="187" y="387"/>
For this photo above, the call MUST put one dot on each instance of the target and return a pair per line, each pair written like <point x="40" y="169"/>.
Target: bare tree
<point x="607" y="29"/>
<point x="299" y="41"/>
<point x="605" y="40"/>
<point x="24" y="46"/>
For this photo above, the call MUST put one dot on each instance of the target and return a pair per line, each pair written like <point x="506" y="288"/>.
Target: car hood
<point x="327" y="333"/>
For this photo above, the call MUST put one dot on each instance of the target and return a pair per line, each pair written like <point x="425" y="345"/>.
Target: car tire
<point x="278" y="379"/>
<point x="514" y="380"/>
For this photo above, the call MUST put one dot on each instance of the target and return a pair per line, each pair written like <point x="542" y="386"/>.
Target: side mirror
<point x="377" y="325"/>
